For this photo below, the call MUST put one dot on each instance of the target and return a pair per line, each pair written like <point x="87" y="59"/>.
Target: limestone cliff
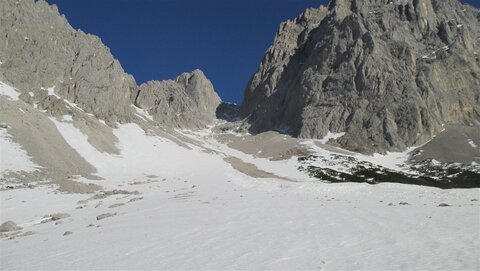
<point x="59" y="68"/>
<point x="389" y="74"/>
<point x="189" y="101"/>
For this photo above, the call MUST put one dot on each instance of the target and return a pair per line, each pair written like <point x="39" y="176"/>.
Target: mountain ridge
<point x="367" y="69"/>
<point x="42" y="51"/>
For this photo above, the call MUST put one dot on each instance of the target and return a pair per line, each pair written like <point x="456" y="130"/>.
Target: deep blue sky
<point x="160" y="39"/>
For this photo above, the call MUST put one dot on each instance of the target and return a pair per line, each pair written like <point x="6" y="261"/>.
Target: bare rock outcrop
<point x="189" y="101"/>
<point x="60" y="69"/>
<point x="40" y="50"/>
<point x="388" y="73"/>
<point x="9" y="226"/>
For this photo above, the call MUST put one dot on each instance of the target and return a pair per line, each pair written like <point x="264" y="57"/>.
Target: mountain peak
<point x="83" y="71"/>
<point x="376" y="70"/>
<point x="189" y="101"/>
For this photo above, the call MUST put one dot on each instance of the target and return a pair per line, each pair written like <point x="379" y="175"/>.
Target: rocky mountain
<point x="388" y="74"/>
<point x="92" y="177"/>
<point x="57" y="67"/>
<point x="187" y="101"/>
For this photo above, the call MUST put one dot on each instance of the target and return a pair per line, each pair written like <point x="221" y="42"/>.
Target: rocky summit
<point x="57" y="68"/>
<point x="387" y="73"/>
<point x="41" y="51"/>
<point x="189" y="101"/>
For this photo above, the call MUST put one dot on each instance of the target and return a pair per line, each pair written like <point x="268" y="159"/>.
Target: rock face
<point x="189" y="101"/>
<point x="59" y="68"/>
<point x="387" y="73"/>
<point x="40" y="50"/>
<point x="228" y="112"/>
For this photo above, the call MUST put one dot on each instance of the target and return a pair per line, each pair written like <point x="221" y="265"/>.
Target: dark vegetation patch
<point x="426" y="173"/>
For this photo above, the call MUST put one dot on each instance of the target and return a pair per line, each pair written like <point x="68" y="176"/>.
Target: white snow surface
<point x="12" y="156"/>
<point x="331" y="135"/>
<point x="51" y="91"/>
<point x="67" y="118"/>
<point x="472" y="143"/>
<point x="197" y="212"/>
<point x="142" y="113"/>
<point x="9" y="92"/>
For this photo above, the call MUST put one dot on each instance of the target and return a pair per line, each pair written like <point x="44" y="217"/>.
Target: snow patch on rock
<point x="329" y="136"/>
<point x="12" y="156"/>
<point x="8" y="91"/>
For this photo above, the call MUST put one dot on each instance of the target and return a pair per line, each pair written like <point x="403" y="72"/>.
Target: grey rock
<point x="54" y="217"/>
<point x="189" y="101"/>
<point x="135" y="199"/>
<point x="9" y="226"/>
<point x="290" y="35"/>
<point x="104" y="194"/>
<point x="451" y="146"/>
<point x="387" y="73"/>
<point x="228" y="111"/>
<point x="39" y="49"/>
<point x="116" y="205"/>
<point x="106" y="215"/>
<point x="67" y="233"/>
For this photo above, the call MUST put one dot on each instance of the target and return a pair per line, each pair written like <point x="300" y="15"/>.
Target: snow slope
<point x="12" y="156"/>
<point x="9" y="92"/>
<point x="261" y="230"/>
<point x="194" y="211"/>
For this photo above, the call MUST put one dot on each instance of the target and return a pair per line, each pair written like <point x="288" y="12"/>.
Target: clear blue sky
<point x="160" y="39"/>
